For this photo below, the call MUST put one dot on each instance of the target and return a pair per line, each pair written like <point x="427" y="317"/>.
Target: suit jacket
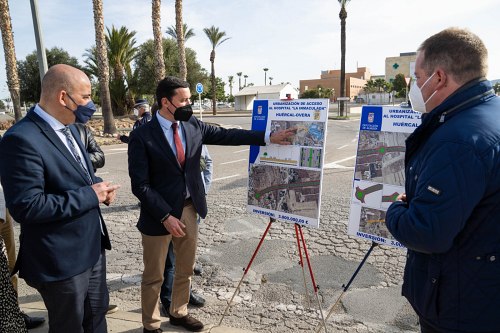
<point x="48" y="193"/>
<point x="157" y="179"/>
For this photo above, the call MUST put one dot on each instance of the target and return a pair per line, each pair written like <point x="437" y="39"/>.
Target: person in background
<point x="51" y="190"/>
<point x="11" y="317"/>
<point x="143" y="112"/>
<point x="449" y="216"/>
<point x="95" y="152"/>
<point x="206" y="168"/>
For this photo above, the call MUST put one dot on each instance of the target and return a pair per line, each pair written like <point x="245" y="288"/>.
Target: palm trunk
<point x="158" y="41"/>
<point x="10" y="58"/>
<point x="214" y="102"/>
<point x="103" y="66"/>
<point x="180" y="40"/>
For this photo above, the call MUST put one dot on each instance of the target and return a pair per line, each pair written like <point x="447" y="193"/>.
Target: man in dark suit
<point x="51" y="190"/>
<point x="164" y="167"/>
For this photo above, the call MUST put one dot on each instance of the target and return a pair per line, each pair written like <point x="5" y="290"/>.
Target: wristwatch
<point x="164" y="218"/>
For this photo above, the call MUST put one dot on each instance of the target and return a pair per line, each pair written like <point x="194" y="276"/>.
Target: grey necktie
<point x="71" y="143"/>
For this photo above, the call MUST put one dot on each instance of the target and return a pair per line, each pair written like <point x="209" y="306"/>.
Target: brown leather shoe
<point x="188" y="322"/>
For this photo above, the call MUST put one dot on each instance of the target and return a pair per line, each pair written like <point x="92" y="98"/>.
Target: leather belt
<point x="188" y="202"/>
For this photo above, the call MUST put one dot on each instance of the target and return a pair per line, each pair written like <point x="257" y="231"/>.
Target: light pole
<point x="265" y="75"/>
<point x="42" y="58"/>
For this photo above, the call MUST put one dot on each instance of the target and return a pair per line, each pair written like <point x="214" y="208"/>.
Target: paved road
<point x="272" y="297"/>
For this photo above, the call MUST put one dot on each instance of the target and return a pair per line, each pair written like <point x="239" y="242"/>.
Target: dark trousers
<point x="426" y="328"/>
<point x="168" y="278"/>
<point x="77" y="304"/>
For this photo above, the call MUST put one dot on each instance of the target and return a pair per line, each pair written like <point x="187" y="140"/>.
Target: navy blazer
<point x="48" y="193"/>
<point x="157" y="178"/>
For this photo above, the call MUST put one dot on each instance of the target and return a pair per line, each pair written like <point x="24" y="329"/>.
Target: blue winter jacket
<point x="451" y="220"/>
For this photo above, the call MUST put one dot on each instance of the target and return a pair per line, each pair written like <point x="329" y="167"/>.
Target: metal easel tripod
<point x="300" y="241"/>
<point x="345" y="287"/>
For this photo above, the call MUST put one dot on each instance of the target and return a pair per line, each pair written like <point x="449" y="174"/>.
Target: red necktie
<point x="178" y="146"/>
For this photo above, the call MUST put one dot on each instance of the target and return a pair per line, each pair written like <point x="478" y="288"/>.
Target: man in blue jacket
<point x="449" y="217"/>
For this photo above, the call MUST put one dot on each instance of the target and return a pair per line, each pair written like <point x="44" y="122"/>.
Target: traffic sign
<point x="199" y="88"/>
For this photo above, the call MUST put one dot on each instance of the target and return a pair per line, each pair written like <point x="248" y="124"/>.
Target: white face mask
<point x="416" y="98"/>
<point x="136" y="112"/>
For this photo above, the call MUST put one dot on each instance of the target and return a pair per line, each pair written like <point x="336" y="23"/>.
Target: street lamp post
<point x="265" y="75"/>
<point x="42" y="57"/>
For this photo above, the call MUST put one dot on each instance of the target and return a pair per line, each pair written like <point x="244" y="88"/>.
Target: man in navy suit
<point x="51" y="190"/>
<point x="164" y="167"/>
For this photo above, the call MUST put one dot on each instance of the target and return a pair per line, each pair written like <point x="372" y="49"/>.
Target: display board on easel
<point x="285" y="181"/>
<point x="379" y="175"/>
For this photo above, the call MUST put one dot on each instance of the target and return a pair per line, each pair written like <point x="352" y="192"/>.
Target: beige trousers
<point x="155" y="250"/>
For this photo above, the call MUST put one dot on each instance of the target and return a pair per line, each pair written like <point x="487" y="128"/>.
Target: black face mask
<point x="183" y="113"/>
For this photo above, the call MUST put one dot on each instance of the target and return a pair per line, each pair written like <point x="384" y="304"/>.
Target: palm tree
<point x="265" y="75"/>
<point x="10" y="58"/>
<point x="159" y="68"/>
<point x="239" y="80"/>
<point x="103" y="68"/>
<point x="342" y="16"/>
<point x="188" y="32"/>
<point x="216" y="38"/>
<point x="245" y="76"/>
<point x="382" y="86"/>
<point x="121" y="53"/>
<point x="180" y="39"/>
<point x="327" y="93"/>
<point x="270" y="81"/>
<point x="230" y="80"/>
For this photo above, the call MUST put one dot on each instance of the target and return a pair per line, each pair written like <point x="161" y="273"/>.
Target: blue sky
<point x="295" y="39"/>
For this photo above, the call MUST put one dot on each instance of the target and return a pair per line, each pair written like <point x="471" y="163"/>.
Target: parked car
<point x="404" y="105"/>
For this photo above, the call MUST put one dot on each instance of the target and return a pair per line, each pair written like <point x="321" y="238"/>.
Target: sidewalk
<point x="120" y="322"/>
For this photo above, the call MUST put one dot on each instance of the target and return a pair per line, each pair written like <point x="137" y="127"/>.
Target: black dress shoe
<point x="32" y="322"/>
<point x="188" y="322"/>
<point x="198" y="269"/>
<point x="196" y="300"/>
<point x="158" y="330"/>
